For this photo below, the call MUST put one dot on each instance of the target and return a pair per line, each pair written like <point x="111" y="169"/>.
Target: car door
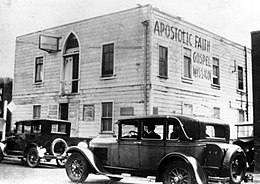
<point x="152" y="148"/>
<point x="128" y="145"/>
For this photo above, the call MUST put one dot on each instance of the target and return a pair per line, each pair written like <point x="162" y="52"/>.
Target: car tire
<point x="32" y="157"/>
<point x="58" y="147"/>
<point x="61" y="162"/>
<point x="236" y="167"/>
<point x="178" y="172"/>
<point x="77" y="168"/>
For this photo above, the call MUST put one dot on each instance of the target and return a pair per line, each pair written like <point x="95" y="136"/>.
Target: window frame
<point x="34" y="112"/>
<point x="36" y="72"/>
<point x="217" y="76"/>
<point x="163" y="62"/>
<point x="112" y="74"/>
<point x="189" y="57"/>
<point x="105" y="118"/>
<point x="239" y="79"/>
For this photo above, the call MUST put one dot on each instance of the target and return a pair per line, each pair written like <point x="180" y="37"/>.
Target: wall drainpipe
<point x="145" y="24"/>
<point x="246" y="73"/>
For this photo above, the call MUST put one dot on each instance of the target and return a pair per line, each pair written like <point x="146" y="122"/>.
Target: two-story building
<point x="134" y="62"/>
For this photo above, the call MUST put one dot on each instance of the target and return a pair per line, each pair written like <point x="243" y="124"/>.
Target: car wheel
<point x="77" y="167"/>
<point x="61" y="162"/>
<point x="237" y="168"/>
<point x="58" y="147"/>
<point x="178" y="172"/>
<point x="32" y="157"/>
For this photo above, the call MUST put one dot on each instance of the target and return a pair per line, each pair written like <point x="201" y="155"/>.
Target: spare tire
<point x="58" y="147"/>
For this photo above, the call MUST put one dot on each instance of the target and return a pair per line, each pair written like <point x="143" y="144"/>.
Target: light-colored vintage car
<point x="174" y="149"/>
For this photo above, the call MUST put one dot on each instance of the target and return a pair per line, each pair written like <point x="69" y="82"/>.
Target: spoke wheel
<point x="177" y="173"/>
<point x="77" y="168"/>
<point x="32" y="157"/>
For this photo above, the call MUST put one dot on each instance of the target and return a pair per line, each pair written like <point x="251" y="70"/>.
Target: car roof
<point x="182" y="118"/>
<point x="29" y="121"/>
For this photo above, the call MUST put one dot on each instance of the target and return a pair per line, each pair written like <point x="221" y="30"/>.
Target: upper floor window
<point x="163" y="61"/>
<point x="70" y="83"/>
<point x="241" y="115"/>
<point x="187" y="63"/>
<point x="215" y="78"/>
<point x="107" y="60"/>
<point x="240" y="78"/>
<point x="38" y="70"/>
<point x="107" y="116"/>
<point x="36" y="111"/>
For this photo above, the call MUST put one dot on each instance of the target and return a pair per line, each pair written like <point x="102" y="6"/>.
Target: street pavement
<point x="15" y="172"/>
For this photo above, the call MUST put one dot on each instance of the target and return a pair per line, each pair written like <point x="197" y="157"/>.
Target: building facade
<point x="134" y="62"/>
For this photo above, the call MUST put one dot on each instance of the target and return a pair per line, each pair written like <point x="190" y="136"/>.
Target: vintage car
<point x="245" y="139"/>
<point x="37" y="139"/>
<point x="174" y="149"/>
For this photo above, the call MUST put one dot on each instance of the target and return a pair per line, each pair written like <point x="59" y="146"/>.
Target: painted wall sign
<point x="201" y="66"/>
<point x="181" y="35"/>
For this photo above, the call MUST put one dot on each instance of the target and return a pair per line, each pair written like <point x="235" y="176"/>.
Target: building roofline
<point x="87" y="19"/>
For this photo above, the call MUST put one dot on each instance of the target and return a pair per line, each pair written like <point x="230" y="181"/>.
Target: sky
<point x="231" y="19"/>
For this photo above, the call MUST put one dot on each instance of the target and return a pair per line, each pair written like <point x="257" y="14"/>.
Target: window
<point x="106" y="119"/>
<point x="70" y="83"/>
<point x="187" y="63"/>
<point x="240" y="78"/>
<point x="216" y="112"/>
<point x="108" y="60"/>
<point x="241" y="115"/>
<point x="163" y="61"/>
<point x="129" y="130"/>
<point x="215" y="71"/>
<point x="58" y="128"/>
<point x="38" y="70"/>
<point x="36" y="111"/>
<point x="152" y="129"/>
<point x="71" y="74"/>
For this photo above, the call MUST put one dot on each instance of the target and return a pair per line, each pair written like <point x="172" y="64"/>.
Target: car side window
<point x="27" y="129"/>
<point x="152" y="130"/>
<point x="36" y="129"/>
<point x="58" y="128"/>
<point x="129" y="130"/>
<point x="19" y="129"/>
<point x="174" y="131"/>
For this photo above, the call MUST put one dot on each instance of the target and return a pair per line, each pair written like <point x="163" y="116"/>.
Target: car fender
<point x="90" y="158"/>
<point x="191" y="161"/>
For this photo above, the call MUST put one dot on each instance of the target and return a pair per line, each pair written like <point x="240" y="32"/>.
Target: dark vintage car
<point x="245" y="139"/>
<point x="37" y="139"/>
<point x="180" y="150"/>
